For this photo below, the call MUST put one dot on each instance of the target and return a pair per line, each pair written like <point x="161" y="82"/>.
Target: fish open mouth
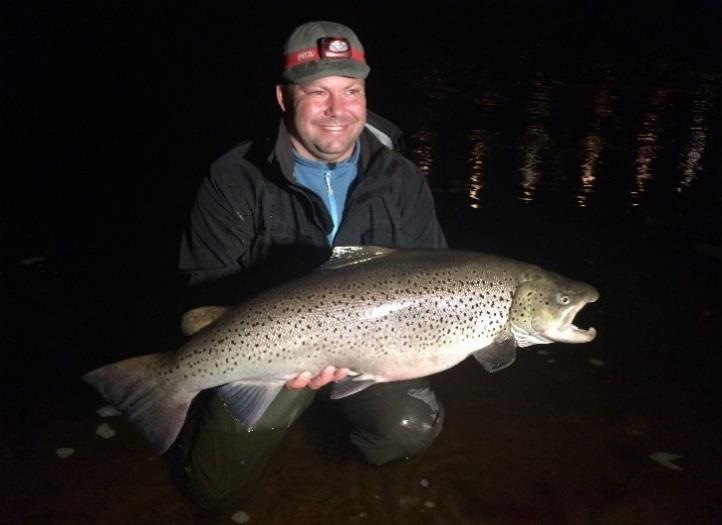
<point x="567" y="332"/>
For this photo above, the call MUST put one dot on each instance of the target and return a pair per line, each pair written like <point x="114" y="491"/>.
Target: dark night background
<point x="112" y="112"/>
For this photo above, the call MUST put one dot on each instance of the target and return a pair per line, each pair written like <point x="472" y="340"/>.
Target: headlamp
<point x="334" y="47"/>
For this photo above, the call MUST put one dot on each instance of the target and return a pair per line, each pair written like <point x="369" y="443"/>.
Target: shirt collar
<point x="316" y="164"/>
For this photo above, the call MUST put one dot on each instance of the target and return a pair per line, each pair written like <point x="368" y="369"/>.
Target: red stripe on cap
<point x="311" y="55"/>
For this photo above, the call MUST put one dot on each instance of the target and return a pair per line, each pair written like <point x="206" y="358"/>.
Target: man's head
<point x="323" y="92"/>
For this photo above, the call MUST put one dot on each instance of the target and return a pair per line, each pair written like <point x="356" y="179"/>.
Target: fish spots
<point x="395" y="311"/>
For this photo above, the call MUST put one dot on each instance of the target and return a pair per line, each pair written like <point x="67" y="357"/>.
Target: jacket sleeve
<point x="419" y="214"/>
<point x="222" y="229"/>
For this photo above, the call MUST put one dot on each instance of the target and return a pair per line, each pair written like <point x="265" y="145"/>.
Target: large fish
<point x="385" y="314"/>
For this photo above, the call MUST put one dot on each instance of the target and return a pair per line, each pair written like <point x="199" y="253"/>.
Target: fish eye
<point x="563" y="299"/>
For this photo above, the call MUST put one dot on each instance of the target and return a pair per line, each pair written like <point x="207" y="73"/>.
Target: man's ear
<point x="281" y="96"/>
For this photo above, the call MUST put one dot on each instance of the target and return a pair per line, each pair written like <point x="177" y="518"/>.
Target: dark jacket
<point x="251" y="224"/>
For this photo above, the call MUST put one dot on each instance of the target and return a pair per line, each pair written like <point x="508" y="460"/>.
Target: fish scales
<point x="384" y="314"/>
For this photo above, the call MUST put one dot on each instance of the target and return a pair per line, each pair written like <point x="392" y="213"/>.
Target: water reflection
<point x="647" y="144"/>
<point x="535" y="141"/>
<point x="422" y="149"/>
<point x="478" y="140"/>
<point x="691" y="162"/>
<point x="593" y="143"/>
<point x="592" y="150"/>
<point x="570" y="138"/>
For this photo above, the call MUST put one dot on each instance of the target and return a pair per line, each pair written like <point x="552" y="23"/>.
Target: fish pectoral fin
<point x="198" y="318"/>
<point x="498" y="355"/>
<point x="351" y="385"/>
<point x="248" y="401"/>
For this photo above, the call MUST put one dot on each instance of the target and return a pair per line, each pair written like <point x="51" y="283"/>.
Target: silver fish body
<point x="385" y="314"/>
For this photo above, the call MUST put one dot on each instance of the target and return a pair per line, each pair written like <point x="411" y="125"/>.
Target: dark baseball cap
<point x="322" y="49"/>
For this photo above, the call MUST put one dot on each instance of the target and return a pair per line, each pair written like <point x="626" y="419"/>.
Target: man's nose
<point x="335" y="105"/>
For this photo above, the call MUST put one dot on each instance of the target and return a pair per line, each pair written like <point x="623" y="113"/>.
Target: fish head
<point x="544" y="307"/>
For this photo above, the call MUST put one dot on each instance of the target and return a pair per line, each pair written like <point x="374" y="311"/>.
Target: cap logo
<point x="334" y="48"/>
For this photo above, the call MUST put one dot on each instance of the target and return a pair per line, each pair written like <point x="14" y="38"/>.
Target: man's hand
<point x="326" y="376"/>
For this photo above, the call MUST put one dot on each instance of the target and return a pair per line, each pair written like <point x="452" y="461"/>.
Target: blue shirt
<point x="330" y="182"/>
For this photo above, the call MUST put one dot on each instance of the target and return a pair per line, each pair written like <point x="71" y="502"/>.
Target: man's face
<point x="326" y="116"/>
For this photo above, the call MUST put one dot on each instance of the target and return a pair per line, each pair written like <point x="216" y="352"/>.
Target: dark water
<point x="583" y="137"/>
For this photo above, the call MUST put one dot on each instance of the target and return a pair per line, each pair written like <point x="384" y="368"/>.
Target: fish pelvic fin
<point x="351" y="385"/>
<point x="195" y="320"/>
<point x="248" y="401"/>
<point x="498" y="355"/>
<point x="153" y="408"/>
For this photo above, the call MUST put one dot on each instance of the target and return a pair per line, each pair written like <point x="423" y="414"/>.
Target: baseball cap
<point x="321" y="49"/>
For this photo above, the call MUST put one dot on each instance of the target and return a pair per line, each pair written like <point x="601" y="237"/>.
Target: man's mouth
<point x="333" y="125"/>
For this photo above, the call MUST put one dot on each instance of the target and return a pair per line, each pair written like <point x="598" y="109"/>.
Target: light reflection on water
<point x="477" y="140"/>
<point x="593" y="143"/>
<point x="535" y="141"/>
<point x="690" y="164"/>
<point x="602" y="138"/>
<point x="647" y="144"/>
<point x="422" y="149"/>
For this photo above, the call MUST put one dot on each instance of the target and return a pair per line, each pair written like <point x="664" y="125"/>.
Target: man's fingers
<point x="340" y="373"/>
<point x="326" y="376"/>
<point x="322" y="379"/>
<point x="300" y="381"/>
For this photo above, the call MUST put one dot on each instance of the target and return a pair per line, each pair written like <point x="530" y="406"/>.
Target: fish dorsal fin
<point x="498" y="355"/>
<point x="198" y="318"/>
<point x="349" y="255"/>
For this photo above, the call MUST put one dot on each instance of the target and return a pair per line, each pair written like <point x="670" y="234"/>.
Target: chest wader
<point x="218" y="461"/>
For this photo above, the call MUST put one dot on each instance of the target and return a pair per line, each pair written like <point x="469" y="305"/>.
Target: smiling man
<point x="329" y="114"/>
<point x="332" y="176"/>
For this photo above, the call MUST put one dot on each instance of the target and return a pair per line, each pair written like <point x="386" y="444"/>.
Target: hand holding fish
<point x="327" y="375"/>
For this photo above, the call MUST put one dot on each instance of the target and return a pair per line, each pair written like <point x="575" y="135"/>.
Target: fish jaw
<point x="571" y="334"/>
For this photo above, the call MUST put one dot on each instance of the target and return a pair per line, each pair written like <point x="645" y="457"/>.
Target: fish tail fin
<point x="154" y="407"/>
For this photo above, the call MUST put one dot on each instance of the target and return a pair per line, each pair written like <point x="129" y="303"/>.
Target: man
<point x="270" y="209"/>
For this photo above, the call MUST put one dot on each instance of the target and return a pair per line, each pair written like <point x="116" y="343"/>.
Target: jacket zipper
<point x="331" y="202"/>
